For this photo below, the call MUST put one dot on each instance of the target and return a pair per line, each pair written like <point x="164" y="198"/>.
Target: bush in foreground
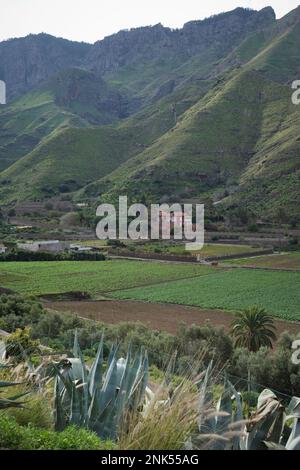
<point x="14" y="436"/>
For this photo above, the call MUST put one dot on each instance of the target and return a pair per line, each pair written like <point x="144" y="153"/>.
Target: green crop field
<point x="278" y="292"/>
<point x="209" y="249"/>
<point x="89" y="276"/>
<point x="280" y="261"/>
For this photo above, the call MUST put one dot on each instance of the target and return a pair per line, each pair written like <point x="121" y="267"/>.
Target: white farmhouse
<point x="54" y="246"/>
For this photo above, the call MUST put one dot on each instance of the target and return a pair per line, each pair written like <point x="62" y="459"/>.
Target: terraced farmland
<point x="278" y="261"/>
<point x="39" y="278"/>
<point x="278" y="292"/>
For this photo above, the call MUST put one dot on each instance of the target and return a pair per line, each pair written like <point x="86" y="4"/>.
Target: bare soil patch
<point x="165" y="317"/>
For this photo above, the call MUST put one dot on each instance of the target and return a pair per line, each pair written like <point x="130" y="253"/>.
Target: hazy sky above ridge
<point x="91" y="20"/>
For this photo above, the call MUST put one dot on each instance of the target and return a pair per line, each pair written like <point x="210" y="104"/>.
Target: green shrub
<point x="36" y="412"/>
<point x="20" y="343"/>
<point x="14" y="436"/>
<point x="250" y="398"/>
<point x="19" y="255"/>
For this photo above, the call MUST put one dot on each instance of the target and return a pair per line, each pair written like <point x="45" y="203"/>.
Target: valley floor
<point x="156" y="316"/>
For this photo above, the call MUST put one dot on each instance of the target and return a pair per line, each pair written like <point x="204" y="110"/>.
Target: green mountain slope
<point x="242" y="137"/>
<point x="210" y="146"/>
<point x="63" y="162"/>
<point x="112" y="145"/>
<point x="144" y="60"/>
<point x="73" y="98"/>
<point x="27" y="121"/>
<point x="217" y="120"/>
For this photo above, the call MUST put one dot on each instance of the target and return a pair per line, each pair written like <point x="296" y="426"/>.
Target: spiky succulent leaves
<point x="59" y="411"/>
<point x="124" y="372"/>
<point x="294" y="444"/>
<point x="77" y="417"/>
<point x="64" y="382"/>
<point x="11" y="402"/>
<point x="64" y="385"/>
<point x="9" y="384"/>
<point x="273" y="446"/>
<point x="237" y="418"/>
<point x="112" y="354"/>
<point x="205" y="395"/>
<point x="116" y="409"/>
<point x="293" y="412"/>
<point x="96" y="373"/>
<point x="138" y="386"/>
<point x="106" y="398"/>
<point x="219" y="424"/>
<point x="91" y="399"/>
<point x="95" y="378"/>
<point x="144" y="380"/>
<point x="80" y="374"/>
<point x="266" y="424"/>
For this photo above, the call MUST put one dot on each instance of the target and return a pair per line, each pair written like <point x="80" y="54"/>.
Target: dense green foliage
<point x="20" y="255"/>
<point x="253" y="328"/>
<point x="14" y="436"/>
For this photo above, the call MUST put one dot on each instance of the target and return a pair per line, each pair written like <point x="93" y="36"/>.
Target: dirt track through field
<point x="165" y="317"/>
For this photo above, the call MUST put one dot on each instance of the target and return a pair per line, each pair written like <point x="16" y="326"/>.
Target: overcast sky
<point x="90" y="20"/>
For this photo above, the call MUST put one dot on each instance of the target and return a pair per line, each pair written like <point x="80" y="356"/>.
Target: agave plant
<point x="271" y="426"/>
<point x="219" y="428"/>
<point x="98" y="400"/>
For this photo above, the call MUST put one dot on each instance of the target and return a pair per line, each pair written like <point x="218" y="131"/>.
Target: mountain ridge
<point x="214" y="120"/>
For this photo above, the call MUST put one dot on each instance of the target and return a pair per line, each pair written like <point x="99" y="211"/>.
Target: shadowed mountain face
<point x="165" y="46"/>
<point x="27" y="62"/>
<point x="155" y="113"/>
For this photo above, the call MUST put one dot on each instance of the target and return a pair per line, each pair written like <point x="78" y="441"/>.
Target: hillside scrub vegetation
<point x="269" y="368"/>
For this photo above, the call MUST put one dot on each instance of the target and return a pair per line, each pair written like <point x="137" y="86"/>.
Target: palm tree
<point x="253" y="328"/>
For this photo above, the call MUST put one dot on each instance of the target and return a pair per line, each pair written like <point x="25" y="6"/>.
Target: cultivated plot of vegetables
<point x="90" y="276"/>
<point x="276" y="261"/>
<point x="278" y="292"/>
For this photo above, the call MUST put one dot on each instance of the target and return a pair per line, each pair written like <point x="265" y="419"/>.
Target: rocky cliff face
<point x="86" y="94"/>
<point x="28" y="62"/>
<point x="221" y="32"/>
